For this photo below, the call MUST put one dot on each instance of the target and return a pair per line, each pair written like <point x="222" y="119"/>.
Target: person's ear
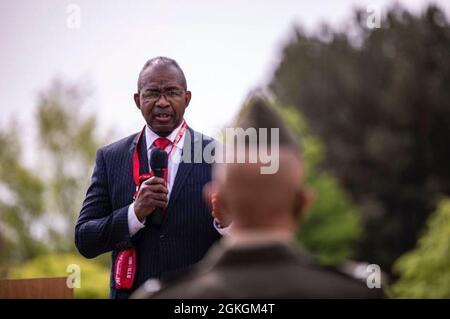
<point x="303" y="201"/>
<point x="207" y="194"/>
<point x="213" y="198"/>
<point x="137" y="100"/>
<point x="188" y="97"/>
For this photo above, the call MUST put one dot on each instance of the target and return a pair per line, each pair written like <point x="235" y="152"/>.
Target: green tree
<point x="378" y="99"/>
<point x="39" y="205"/>
<point x="425" y="271"/>
<point x="332" y="225"/>
<point x="69" y="142"/>
<point x="21" y="202"/>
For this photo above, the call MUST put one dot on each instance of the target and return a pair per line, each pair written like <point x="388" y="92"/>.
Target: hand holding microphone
<point x="152" y="195"/>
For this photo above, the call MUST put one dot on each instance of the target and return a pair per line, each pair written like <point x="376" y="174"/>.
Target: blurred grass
<point x="94" y="276"/>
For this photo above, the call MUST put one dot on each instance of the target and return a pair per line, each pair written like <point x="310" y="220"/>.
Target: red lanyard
<point x="138" y="179"/>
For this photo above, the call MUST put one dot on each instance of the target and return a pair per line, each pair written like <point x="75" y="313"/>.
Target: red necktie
<point x="162" y="142"/>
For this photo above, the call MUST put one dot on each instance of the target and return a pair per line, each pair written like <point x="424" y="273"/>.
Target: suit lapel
<point x="143" y="157"/>
<point x="183" y="170"/>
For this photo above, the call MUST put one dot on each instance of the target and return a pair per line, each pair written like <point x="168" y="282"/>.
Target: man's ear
<point x="210" y="194"/>
<point x="303" y="201"/>
<point x="207" y="194"/>
<point x="216" y="204"/>
<point x="188" y="97"/>
<point x="137" y="100"/>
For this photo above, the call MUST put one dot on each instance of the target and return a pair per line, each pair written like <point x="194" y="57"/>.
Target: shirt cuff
<point x="221" y="230"/>
<point x="134" y="225"/>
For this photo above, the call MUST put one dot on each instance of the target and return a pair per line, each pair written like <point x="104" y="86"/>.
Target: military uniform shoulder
<point x="164" y="287"/>
<point x="344" y="274"/>
<point x="348" y="270"/>
<point x="358" y="277"/>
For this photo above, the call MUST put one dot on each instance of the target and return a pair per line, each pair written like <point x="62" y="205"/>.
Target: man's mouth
<point x="164" y="118"/>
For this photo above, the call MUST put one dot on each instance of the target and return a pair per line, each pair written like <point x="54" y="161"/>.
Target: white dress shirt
<point x="134" y="225"/>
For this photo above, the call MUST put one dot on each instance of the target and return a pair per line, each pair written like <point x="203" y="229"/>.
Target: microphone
<point x="158" y="163"/>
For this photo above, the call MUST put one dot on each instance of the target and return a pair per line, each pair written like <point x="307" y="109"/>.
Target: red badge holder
<point x="125" y="268"/>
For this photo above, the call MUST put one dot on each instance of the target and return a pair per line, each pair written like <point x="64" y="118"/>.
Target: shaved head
<point x="255" y="200"/>
<point x="251" y="199"/>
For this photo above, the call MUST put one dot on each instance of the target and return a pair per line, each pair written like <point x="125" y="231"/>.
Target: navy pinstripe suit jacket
<point x="182" y="240"/>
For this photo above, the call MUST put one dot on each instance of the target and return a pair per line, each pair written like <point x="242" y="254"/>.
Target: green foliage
<point x="68" y="144"/>
<point x="35" y="197"/>
<point x="378" y="99"/>
<point x="21" y="203"/>
<point x="94" y="276"/>
<point x="332" y="226"/>
<point x="39" y="204"/>
<point x="425" y="271"/>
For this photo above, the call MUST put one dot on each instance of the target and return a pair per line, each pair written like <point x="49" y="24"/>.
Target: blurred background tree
<point x="332" y="226"/>
<point x="21" y="203"/>
<point x="39" y="205"/>
<point x="425" y="271"/>
<point x="68" y="145"/>
<point x="379" y="101"/>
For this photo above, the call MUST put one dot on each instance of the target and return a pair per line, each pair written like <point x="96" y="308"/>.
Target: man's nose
<point x="162" y="101"/>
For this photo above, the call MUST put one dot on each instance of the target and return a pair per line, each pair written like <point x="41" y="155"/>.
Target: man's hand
<point x="222" y="218"/>
<point x="152" y="193"/>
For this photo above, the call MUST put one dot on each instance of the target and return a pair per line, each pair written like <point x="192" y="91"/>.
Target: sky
<point x="226" y="49"/>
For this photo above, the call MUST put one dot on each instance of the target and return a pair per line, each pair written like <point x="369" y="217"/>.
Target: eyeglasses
<point x="170" y="94"/>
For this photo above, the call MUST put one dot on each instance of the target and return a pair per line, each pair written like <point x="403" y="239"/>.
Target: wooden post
<point x="39" y="288"/>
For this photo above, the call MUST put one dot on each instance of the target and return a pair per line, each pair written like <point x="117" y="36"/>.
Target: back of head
<point x="257" y="201"/>
<point x="259" y="113"/>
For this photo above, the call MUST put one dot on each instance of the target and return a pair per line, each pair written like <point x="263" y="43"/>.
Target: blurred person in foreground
<point x="258" y="258"/>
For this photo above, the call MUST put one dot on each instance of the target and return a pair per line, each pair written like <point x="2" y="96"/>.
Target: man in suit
<point x="117" y="213"/>
<point x="258" y="257"/>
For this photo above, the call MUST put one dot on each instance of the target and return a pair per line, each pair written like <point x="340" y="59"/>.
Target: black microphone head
<point x="158" y="159"/>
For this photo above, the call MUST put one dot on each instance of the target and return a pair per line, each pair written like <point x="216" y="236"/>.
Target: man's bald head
<point x="262" y="201"/>
<point x="256" y="201"/>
